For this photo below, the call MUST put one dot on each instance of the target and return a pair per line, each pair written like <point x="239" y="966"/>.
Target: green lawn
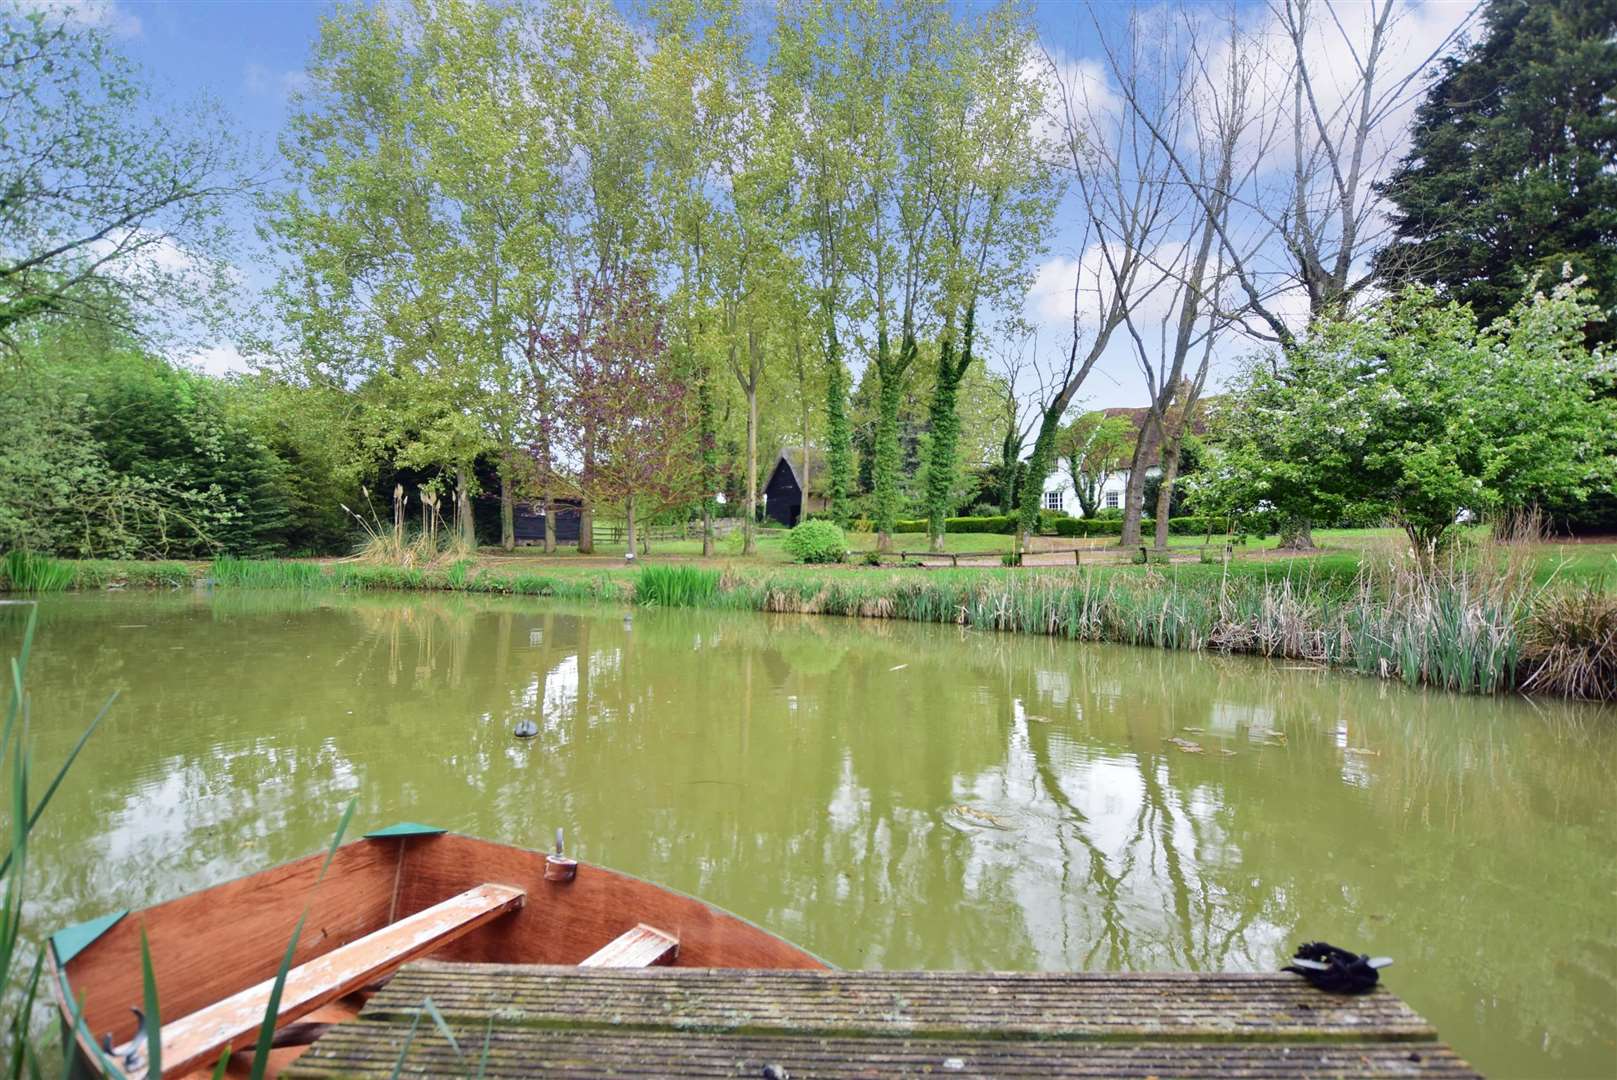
<point x="1338" y="558"/>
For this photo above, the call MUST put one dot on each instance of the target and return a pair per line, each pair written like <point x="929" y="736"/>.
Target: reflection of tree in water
<point x="913" y="796"/>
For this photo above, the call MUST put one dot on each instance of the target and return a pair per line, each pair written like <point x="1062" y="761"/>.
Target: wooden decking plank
<point x="194" y="1041"/>
<point x="372" y="1048"/>
<point x="643" y="947"/>
<point x="1275" y="1007"/>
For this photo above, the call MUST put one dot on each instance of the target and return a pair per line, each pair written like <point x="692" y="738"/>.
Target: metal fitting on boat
<point x="559" y="867"/>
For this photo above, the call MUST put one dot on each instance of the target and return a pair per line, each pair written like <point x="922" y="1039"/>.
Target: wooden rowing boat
<point x="397" y="895"/>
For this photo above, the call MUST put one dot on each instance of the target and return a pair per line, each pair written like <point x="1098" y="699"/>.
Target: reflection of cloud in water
<point x="1227" y="717"/>
<point x="1055" y="685"/>
<point x="1109" y="860"/>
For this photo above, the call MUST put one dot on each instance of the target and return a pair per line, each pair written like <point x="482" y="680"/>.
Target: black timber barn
<point x="786" y="496"/>
<point x="528" y="520"/>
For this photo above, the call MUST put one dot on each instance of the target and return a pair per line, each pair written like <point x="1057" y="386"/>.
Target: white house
<point x="1059" y="494"/>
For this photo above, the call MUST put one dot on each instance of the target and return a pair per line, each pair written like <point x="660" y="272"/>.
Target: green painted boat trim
<point x="72" y="940"/>
<point x="405" y="828"/>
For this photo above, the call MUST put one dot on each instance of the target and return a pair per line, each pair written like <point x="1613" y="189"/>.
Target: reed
<point x="24" y="571"/>
<point x="676" y="586"/>
<point x="268" y="574"/>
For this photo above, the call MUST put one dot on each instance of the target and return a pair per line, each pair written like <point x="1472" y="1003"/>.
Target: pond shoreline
<point x="1450" y="633"/>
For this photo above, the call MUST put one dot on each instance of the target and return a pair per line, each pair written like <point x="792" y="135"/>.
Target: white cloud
<point x="223" y="359"/>
<point x="145" y="255"/>
<point x="107" y="15"/>
<point x="1077" y="92"/>
<point x="262" y="82"/>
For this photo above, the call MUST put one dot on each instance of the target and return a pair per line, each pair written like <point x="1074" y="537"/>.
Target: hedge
<point x="999" y="524"/>
<point x="1097" y="526"/>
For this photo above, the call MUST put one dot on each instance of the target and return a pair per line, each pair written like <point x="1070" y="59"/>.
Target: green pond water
<point x="883" y="794"/>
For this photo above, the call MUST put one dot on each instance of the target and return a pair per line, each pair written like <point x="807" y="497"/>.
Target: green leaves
<point x="1411" y="409"/>
<point x="112" y="205"/>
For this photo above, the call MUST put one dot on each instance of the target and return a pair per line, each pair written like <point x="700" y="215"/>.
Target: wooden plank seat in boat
<point x="644" y="946"/>
<point x="510" y="1021"/>
<point x="195" y="1041"/>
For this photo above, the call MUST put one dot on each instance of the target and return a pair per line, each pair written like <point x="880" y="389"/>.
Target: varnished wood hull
<point x="214" y="943"/>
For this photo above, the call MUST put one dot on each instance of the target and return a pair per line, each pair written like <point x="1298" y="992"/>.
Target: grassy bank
<point x="1491" y="624"/>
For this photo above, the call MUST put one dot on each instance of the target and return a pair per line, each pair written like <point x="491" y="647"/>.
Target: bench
<point x="644" y="946"/>
<point x="196" y="1041"/>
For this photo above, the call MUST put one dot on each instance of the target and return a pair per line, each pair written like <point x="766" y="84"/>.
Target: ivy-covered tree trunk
<point x="945" y="428"/>
<point x="1010" y="469"/>
<point x="890" y="375"/>
<point x="838" y="435"/>
<point x="1039" y="466"/>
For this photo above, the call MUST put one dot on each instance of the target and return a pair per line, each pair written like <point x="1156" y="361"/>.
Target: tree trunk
<point x="628" y="512"/>
<point x="1170" y="472"/>
<point x="1134" y="492"/>
<point x="750" y="539"/>
<point x="463" y="507"/>
<point x="586" y="529"/>
<point x="708" y="440"/>
<point x="508" y="525"/>
<point x="550" y="525"/>
<point x="838" y="448"/>
<point x="1296" y="534"/>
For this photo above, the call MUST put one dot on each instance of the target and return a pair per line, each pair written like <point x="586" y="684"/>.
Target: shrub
<point x="1070" y="526"/>
<point x="1049" y="519"/>
<point x="817" y="542"/>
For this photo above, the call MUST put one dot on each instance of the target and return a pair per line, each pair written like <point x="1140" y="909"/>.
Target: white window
<point x="1052" y="500"/>
<point x="1112" y="501"/>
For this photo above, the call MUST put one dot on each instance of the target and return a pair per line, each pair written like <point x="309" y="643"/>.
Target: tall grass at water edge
<point x="1477" y="626"/>
<point x="676" y="586"/>
<point x="25" y="571"/>
<point x="1474" y="620"/>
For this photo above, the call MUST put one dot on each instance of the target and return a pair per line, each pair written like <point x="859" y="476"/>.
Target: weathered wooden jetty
<point x="805" y="1023"/>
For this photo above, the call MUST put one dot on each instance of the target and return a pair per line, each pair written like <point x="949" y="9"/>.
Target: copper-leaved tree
<point x="617" y="423"/>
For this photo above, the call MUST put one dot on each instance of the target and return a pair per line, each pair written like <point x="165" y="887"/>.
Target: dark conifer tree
<point x="1512" y="168"/>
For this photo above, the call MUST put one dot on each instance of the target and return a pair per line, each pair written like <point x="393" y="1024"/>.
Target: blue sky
<point x="249" y="55"/>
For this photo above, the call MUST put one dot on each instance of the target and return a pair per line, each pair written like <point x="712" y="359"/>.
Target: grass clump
<point x="1572" y="645"/>
<point x="25" y="571"/>
<point x="676" y="586"/>
<point x="267" y="574"/>
<point x="817" y="542"/>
